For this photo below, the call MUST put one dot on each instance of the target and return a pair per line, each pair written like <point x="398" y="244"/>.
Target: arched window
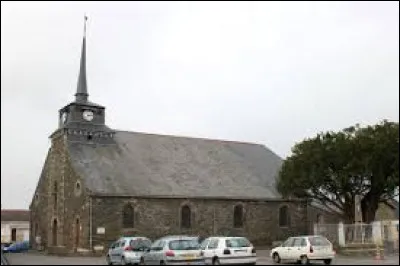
<point x="128" y="216"/>
<point x="238" y="216"/>
<point x="77" y="232"/>
<point x="185" y="216"/>
<point x="284" y="219"/>
<point x="36" y="229"/>
<point x="55" y="232"/>
<point x="77" y="188"/>
<point x="55" y="195"/>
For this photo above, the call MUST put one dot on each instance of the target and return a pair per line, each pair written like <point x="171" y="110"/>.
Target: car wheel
<point x="276" y="258"/>
<point x="216" y="261"/>
<point x="304" y="260"/>
<point x="108" y="260"/>
<point x="327" y="261"/>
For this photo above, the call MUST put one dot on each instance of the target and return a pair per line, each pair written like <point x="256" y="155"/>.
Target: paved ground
<point x="263" y="259"/>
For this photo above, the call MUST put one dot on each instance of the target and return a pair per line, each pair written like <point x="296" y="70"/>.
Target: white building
<point x="14" y="225"/>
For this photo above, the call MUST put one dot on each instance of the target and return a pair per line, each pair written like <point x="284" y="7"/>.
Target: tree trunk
<point x="369" y="206"/>
<point x="348" y="213"/>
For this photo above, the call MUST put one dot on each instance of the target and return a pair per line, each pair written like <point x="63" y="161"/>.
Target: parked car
<point x="304" y="249"/>
<point x="5" y="245"/>
<point x="228" y="250"/>
<point x="17" y="247"/>
<point x="174" y="250"/>
<point x="127" y="250"/>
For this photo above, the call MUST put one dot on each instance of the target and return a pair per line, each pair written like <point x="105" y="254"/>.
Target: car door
<point x="119" y="250"/>
<point x="152" y="257"/>
<point x="295" y="250"/>
<point x="159" y="253"/>
<point x="285" y="249"/>
<point x="211" y="249"/>
<point x="203" y="247"/>
<point x="148" y="256"/>
<point x="207" y="253"/>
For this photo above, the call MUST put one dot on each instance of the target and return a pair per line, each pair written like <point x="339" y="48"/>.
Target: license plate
<point x="190" y="256"/>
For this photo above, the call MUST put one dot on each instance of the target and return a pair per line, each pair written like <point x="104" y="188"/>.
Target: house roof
<point x="15" y="215"/>
<point x="169" y="166"/>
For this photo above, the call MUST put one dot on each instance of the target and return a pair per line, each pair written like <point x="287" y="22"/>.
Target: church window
<point x="36" y="229"/>
<point x="238" y="216"/>
<point x="78" y="188"/>
<point x="185" y="216"/>
<point x="284" y="218"/>
<point x="55" y="195"/>
<point x="128" y="216"/>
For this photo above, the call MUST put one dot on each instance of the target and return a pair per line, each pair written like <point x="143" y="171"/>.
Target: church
<point x="98" y="184"/>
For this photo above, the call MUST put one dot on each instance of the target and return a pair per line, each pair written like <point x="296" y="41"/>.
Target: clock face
<point x="88" y="115"/>
<point x="64" y="117"/>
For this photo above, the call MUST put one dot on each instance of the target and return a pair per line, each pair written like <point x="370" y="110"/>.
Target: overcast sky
<point x="265" y="72"/>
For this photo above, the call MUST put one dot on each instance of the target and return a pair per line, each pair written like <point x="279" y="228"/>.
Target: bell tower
<point x="82" y="120"/>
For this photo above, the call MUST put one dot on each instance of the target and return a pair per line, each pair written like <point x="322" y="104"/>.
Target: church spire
<point x="81" y="92"/>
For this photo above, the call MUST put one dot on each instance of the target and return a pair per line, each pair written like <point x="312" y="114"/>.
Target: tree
<point x="334" y="167"/>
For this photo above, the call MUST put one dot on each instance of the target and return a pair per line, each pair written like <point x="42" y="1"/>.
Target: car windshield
<point x="237" y="242"/>
<point x="184" y="244"/>
<point x="319" y="241"/>
<point x="140" y="244"/>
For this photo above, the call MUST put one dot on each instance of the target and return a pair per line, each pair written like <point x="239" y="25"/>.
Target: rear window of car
<point x="140" y="244"/>
<point x="183" y="244"/>
<point x="237" y="242"/>
<point x="319" y="241"/>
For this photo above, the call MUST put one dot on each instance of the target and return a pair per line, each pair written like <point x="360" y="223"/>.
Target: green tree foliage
<point x="334" y="167"/>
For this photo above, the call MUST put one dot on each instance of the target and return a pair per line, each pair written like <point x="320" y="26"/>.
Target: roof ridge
<point x="190" y="137"/>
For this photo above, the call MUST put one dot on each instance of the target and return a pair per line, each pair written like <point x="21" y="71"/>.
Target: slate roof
<point x="15" y="215"/>
<point x="168" y="166"/>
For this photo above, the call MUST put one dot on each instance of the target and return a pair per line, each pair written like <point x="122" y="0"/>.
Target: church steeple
<point x="81" y="92"/>
<point x="81" y="120"/>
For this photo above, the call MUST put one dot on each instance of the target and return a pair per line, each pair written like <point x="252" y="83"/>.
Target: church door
<point x="55" y="229"/>
<point x="13" y="235"/>
<point x="77" y="232"/>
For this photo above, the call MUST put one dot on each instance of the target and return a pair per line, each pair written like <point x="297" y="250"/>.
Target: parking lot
<point x="263" y="259"/>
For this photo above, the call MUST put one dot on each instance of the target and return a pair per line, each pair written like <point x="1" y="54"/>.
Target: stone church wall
<point x="155" y="218"/>
<point x="71" y="209"/>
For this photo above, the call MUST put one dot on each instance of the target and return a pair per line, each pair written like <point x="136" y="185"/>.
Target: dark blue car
<point x="17" y="247"/>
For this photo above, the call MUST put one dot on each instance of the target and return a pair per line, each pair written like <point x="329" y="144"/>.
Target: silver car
<point x="127" y="250"/>
<point x="174" y="250"/>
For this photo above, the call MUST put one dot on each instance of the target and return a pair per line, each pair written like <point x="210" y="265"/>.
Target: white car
<point x="174" y="250"/>
<point x="304" y="249"/>
<point x="127" y="250"/>
<point x="228" y="250"/>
